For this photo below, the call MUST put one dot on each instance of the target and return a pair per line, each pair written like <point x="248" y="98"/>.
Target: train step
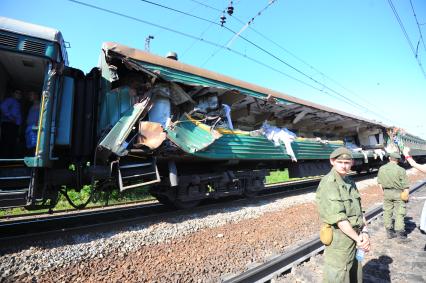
<point x="15" y="180"/>
<point x="14" y="198"/>
<point x="132" y="175"/>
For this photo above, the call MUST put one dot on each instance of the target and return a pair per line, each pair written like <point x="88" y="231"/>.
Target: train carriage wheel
<point x="250" y="194"/>
<point x="252" y="187"/>
<point x="185" y="192"/>
<point x="179" y="204"/>
<point x="164" y="200"/>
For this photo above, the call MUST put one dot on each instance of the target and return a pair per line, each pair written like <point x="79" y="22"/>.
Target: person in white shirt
<point x="421" y="168"/>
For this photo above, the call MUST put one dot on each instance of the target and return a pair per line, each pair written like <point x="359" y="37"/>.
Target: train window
<point x="372" y="140"/>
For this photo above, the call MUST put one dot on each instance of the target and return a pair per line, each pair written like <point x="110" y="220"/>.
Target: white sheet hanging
<point x="278" y="136"/>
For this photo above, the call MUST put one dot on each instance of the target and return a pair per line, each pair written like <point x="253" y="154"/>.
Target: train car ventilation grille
<point x="8" y="40"/>
<point x="34" y="47"/>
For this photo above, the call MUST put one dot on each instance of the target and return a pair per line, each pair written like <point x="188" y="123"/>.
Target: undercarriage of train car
<point x="190" y="140"/>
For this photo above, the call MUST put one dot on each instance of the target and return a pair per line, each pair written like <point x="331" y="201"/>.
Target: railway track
<point x="130" y="203"/>
<point x="29" y="229"/>
<point x="170" y="247"/>
<point x="284" y="263"/>
<point x="47" y="213"/>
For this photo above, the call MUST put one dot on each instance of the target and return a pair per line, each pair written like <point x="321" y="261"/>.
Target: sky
<point x="349" y="55"/>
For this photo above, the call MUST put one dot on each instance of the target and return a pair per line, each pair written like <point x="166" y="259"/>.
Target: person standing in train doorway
<point x="11" y="120"/>
<point x="32" y="123"/>
<point x="339" y="205"/>
<point x="393" y="181"/>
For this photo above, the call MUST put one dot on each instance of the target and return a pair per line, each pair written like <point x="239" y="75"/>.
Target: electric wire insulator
<point x="222" y="20"/>
<point x="230" y="10"/>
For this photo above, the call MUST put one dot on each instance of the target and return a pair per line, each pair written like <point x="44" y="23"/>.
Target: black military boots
<point x="402" y="235"/>
<point x="390" y="233"/>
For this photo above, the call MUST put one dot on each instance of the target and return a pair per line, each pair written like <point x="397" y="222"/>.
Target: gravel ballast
<point x="203" y="247"/>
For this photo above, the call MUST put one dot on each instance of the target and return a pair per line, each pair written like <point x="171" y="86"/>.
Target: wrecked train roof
<point x="176" y="71"/>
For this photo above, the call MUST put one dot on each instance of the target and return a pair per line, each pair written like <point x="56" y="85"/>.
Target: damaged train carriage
<point x="195" y="134"/>
<point x="143" y="120"/>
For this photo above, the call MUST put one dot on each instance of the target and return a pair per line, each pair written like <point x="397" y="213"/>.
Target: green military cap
<point x="395" y="155"/>
<point x="341" y="153"/>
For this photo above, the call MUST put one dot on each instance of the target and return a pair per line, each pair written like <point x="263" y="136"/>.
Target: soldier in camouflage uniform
<point x="339" y="205"/>
<point x="393" y="180"/>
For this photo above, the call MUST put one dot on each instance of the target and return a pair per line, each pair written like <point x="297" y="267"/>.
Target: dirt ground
<point x="210" y="254"/>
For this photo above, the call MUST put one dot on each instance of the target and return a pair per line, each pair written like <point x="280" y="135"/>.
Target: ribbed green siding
<point x="247" y="147"/>
<point x="313" y="150"/>
<point x="243" y="147"/>
<point x="200" y="142"/>
<point x="189" y="137"/>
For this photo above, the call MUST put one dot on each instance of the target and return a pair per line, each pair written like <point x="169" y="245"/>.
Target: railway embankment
<point x="202" y="247"/>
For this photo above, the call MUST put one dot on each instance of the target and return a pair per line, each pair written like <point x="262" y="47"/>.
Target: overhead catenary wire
<point x="418" y="25"/>
<point x="249" y="23"/>
<point x="177" y="11"/>
<point x="291" y="54"/>
<point x="222" y="12"/>
<point x="277" y="45"/>
<point x="237" y="34"/>
<point x="192" y="37"/>
<point x="212" y="22"/>
<point x="340" y="96"/>
<point x="404" y="31"/>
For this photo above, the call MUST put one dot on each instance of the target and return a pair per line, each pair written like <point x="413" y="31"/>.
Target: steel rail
<point x="48" y="213"/>
<point x="83" y="221"/>
<point x="129" y="203"/>
<point x="286" y="261"/>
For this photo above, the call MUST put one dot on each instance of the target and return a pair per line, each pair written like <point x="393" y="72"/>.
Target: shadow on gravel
<point x="410" y="225"/>
<point x="377" y="270"/>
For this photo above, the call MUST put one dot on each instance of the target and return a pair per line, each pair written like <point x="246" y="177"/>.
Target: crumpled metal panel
<point x="235" y="146"/>
<point x="115" y="103"/>
<point x="179" y="72"/>
<point x="115" y="140"/>
<point x="195" y="138"/>
<point x="178" y="76"/>
<point x="190" y="137"/>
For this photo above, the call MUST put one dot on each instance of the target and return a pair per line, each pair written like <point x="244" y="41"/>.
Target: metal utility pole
<point x="148" y="41"/>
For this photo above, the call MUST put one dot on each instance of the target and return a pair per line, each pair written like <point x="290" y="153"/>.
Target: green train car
<point x="143" y="120"/>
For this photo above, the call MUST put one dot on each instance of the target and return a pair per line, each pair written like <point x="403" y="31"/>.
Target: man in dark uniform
<point x="339" y="205"/>
<point x="393" y="180"/>
<point x="11" y="120"/>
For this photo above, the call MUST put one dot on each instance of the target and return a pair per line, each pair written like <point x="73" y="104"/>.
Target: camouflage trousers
<point x="340" y="264"/>
<point x="394" y="208"/>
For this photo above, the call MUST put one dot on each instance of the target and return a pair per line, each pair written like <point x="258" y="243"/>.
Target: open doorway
<point x="21" y="83"/>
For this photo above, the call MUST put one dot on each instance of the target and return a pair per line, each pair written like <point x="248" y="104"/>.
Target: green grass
<point x="115" y="197"/>
<point x="277" y="177"/>
<point x="138" y="194"/>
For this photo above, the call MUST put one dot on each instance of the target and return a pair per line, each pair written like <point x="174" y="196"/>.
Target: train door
<point x="65" y="135"/>
<point x="22" y="79"/>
